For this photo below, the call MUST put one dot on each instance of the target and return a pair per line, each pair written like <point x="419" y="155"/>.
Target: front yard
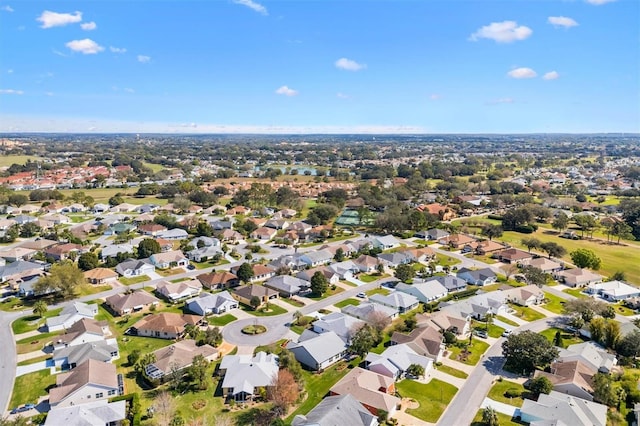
<point x="347" y="302"/>
<point x="498" y="392"/>
<point x="473" y="354"/>
<point x="432" y="398"/>
<point x="134" y="280"/>
<point x="567" y="338"/>
<point x="32" y="322"/>
<point x="526" y="314"/>
<point x="29" y="387"/>
<point x="221" y="320"/>
<point x="554" y="303"/>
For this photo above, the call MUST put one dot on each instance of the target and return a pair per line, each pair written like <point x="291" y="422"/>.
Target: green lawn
<point x="221" y="320"/>
<point x="444" y="260"/>
<point x="169" y="272"/>
<point x="379" y="290"/>
<point x="452" y="371"/>
<point x="35" y="343"/>
<point x="88" y="289"/>
<point x="292" y="302"/>
<point x="554" y="303"/>
<point x="567" y="338"/>
<point x="134" y="280"/>
<point x="29" y="387"/>
<point x="497" y="392"/>
<point x="347" y="302"/>
<point x="432" y="397"/>
<point x="526" y="314"/>
<point x="273" y="310"/>
<point x="575" y="292"/>
<point x="35" y="360"/>
<point x="384" y="344"/>
<point x="317" y="386"/>
<point x="493" y="331"/>
<point x="503" y="420"/>
<point x="507" y="321"/>
<point x="327" y="293"/>
<point x="349" y="283"/>
<point x="32" y="322"/>
<point x="367" y="278"/>
<point x="477" y="348"/>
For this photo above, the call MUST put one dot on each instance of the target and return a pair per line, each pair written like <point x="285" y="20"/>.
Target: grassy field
<point x="8" y="160"/>
<point x="526" y="314"/>
<point x="134" y="280"/>
<point x="452" y="371"/>
<point x="221" y="320"/>
<point x="497" y="392"/>
<point x="444" y="260"/>
<point x="432" y="397"/>
<point x="29" y="387"/>
<point x="32" y="322"/>
<point x="477" y="348"/>
<point x="493" y="330"/>
<point x="273" y="310"/>
<point x="347" y="302"/>
<point x="567" y="338"/>
<point x="554" y="303"/>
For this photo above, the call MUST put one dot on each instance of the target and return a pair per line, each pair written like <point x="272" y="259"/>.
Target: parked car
<point x="25" y="407"/>
<point x="481" y="333"/>
<point x="361" y="295"/>
<point x="506" y="333"/>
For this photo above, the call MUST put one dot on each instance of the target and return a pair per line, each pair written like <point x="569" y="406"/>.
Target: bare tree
<point x="164" y="408"/>
<point x="283" y="391"/>
<point x="378" y="320"/>
<point x="510" y="269"/>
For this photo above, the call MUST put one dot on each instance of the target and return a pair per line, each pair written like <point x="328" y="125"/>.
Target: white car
<point x="361" y="295"/>
<point x="506" y="333"/>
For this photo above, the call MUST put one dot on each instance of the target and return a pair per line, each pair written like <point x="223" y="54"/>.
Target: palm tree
<point x="40" y="308"/>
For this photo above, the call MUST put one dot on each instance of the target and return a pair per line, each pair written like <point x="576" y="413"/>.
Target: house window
<point x="88" y="396"/>
<point x="99" y="395"/>
<point x="111" y="392"/>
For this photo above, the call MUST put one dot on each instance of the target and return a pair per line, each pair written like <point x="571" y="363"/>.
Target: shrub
<point x="512" y="393"/>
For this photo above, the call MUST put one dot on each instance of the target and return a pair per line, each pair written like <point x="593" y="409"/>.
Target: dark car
<point x="191" y="267"/>
<point x="25" y="407"/>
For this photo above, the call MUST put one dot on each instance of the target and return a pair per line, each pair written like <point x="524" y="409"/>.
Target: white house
<point x="207" y="303"/>
<point x="169" y="259"/>
<point x="91" y="381"/>
<point x="70" y="315"/>
<point x="395" y="361"/>
<point x="613" y="291"/>
<point x="425" y="292"/>
<point x="402" y="302"/>
<point x="175" y="292"/>
<point x="319" y="352"/>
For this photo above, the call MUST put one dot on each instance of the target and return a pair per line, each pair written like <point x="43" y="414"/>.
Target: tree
<point x="287" y="360"/>
<point x="245" y="272"/>
<point x="629" y="345"/>
<point x="164" y="409"/>
<point x="586" y="307"/>
<point x="585" y="258"/>
<point x="147" y="247"/>
<point x="621" y="230"/>
<point x="490" y="416"/>
<point x="533" y="275"/>
<point x="17" y="200"/>
<point x="527" y="350"/>
<point x="553" y="249"/>
<point x="611" y="333"/>
<point x="29" y="229"/>
<point x="531" y="243"/>
<point x="492" y="231"/>
<point x="64" y="278"/>
<point x="540" y="385"/>
<point x="597" y="329"/>
<point x="510" y="269"/>
<point x="198" y="372"/>
<point x="363" y="340"/>
<point x="560" y="222"/>
<point x="415" y="370"/>
<point x="88" y="261"/>
<point x="557" y="340"/>
<point x="319" y="283"/>
<point x="40" y="308"/>
<point x="212" y="336"/>
<point x="116" y="200"/>
<point x="404" y="273"/>
<point x="339" y="256"/>
<point x="255" y="302"/>
<point x="283" y="391"/>
<point x="585" y="222"/>
<point x="604" y="390"/>
<point x="133" y="357"/>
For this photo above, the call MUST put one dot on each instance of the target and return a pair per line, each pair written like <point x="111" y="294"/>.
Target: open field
<point x="8" y="160"/>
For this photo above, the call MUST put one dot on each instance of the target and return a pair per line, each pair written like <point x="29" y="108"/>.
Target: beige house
<point x="525" y="296"/>
<point x="165" y="325"/>
<point x="571" y="377"/>
<point x="245" y="293"/>
<point x="101" y="276"/>
<point x="373" y="390"/>
<point x="90" y="381"/>
<point x="178" y="356"/>
<point x="126" y="303"/>
<point x="578" y="277"/>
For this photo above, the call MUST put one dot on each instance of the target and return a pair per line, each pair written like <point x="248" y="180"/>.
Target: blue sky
<point x="371" y="66"/>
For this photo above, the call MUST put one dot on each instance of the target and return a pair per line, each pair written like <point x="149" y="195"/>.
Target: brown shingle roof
<point x="90" y="371"/>
<point x="166" y="322"/>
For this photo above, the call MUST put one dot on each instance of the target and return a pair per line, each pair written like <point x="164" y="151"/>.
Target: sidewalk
<point x="21" y="336"/>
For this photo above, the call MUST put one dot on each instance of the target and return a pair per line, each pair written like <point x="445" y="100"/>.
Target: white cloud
<point x="284" y="90"/>
<point x="53" y="19"/>
<point x="501" y="101"/>
<point x="551" y="75"/>
<point x="253" y="5"/>
<point x="144" y="59"/>
<point x="522" y="73"/>
<point x="562" y="21"/>
<point x="117" y="49"/>
<point x="11" y="92"/>
<point x="341" y="95"/>
<point x="88" y="26"/>
<point x="7" y="8"/>
<point x="128" y="90"/>
<point x="85" y="46"/>
<point x="599" y="2"/>
<point x="59" y="53"/>
<point x="502" y="32"/>
<point x="349" y="65"/>
<point x="435" y="97"/>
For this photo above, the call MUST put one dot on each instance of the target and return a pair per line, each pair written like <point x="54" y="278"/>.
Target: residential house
<point x="17" y="253"/>
<point x="480" y="277"/>
<point x="83" y="331"/>
<point x="175" y="292"/>
<point x="425" y="340"/>
<point x="336" y="411"/>
<point x="367" y="311"/>
<point x="38" y="245"/>
<point x="513" y="255"/>
<point x="119" y="228"/>
<point x="395" y="360"/>
<point x="72" y="356"/>
<point x="425" y="292"/>
<point x="572" y="378"/>
<point x="101" y="276"/>
<point x="393" y="260"/>
<point x="216" y="280"/>
<point x="18" y="270"/>
<point x="452" y="283"/>
<point x="203" y="241"/>
<point x="433" y="234"/>
<point x="135" y="268"/>
<point x="56" y="219"/>
<point x="366" y="263"/>
<point x="345" y="326"/>
<point x="319" y="352"/>
<point x="486" y="247"/>
<point x="151" y="229"/>
<point x="456" y="241"/>
<point x="113" y="250"/>
<point x="165" y="245"/>
<point x="287" y="285"/>
<point x="591" y="354"/>
<point x="373" y="390"/>
<point x="207" y="303"/>
<point x="260" y="272"/>
<point x="177" y="357"/>
<point x="402" y="302"/>
<point x="244" y="375"/>
<point x="545" y="265"/>
<point x="263" y="233"/>
<point x="424" y="254"/>
<point x="221" y="225"/>
<point x="477" y="306"/>
<point x="453" y="322"/>
<point x="277" y="223"/>
<point x="173" y="234"/>
<point x="385" y="242"/>
<point x="169" y="259"/>
<point x="525" y="296"/>
<point x="100" y="412"/>
<point x="613" y="291"/>
<point x="64" y="251"/>
<point x="558" y="409"/>
<point x="90" y="381"/>
<point x="70" y="315"/>
<point x="165" y="325"/>
<point x="245" y="293"/>
<point x="578" y="277"/>
<point x="345" y="270"/>
<point x="331" y="276"/>
<point x="316" y="258"/>
<point x="129" y="302"/>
